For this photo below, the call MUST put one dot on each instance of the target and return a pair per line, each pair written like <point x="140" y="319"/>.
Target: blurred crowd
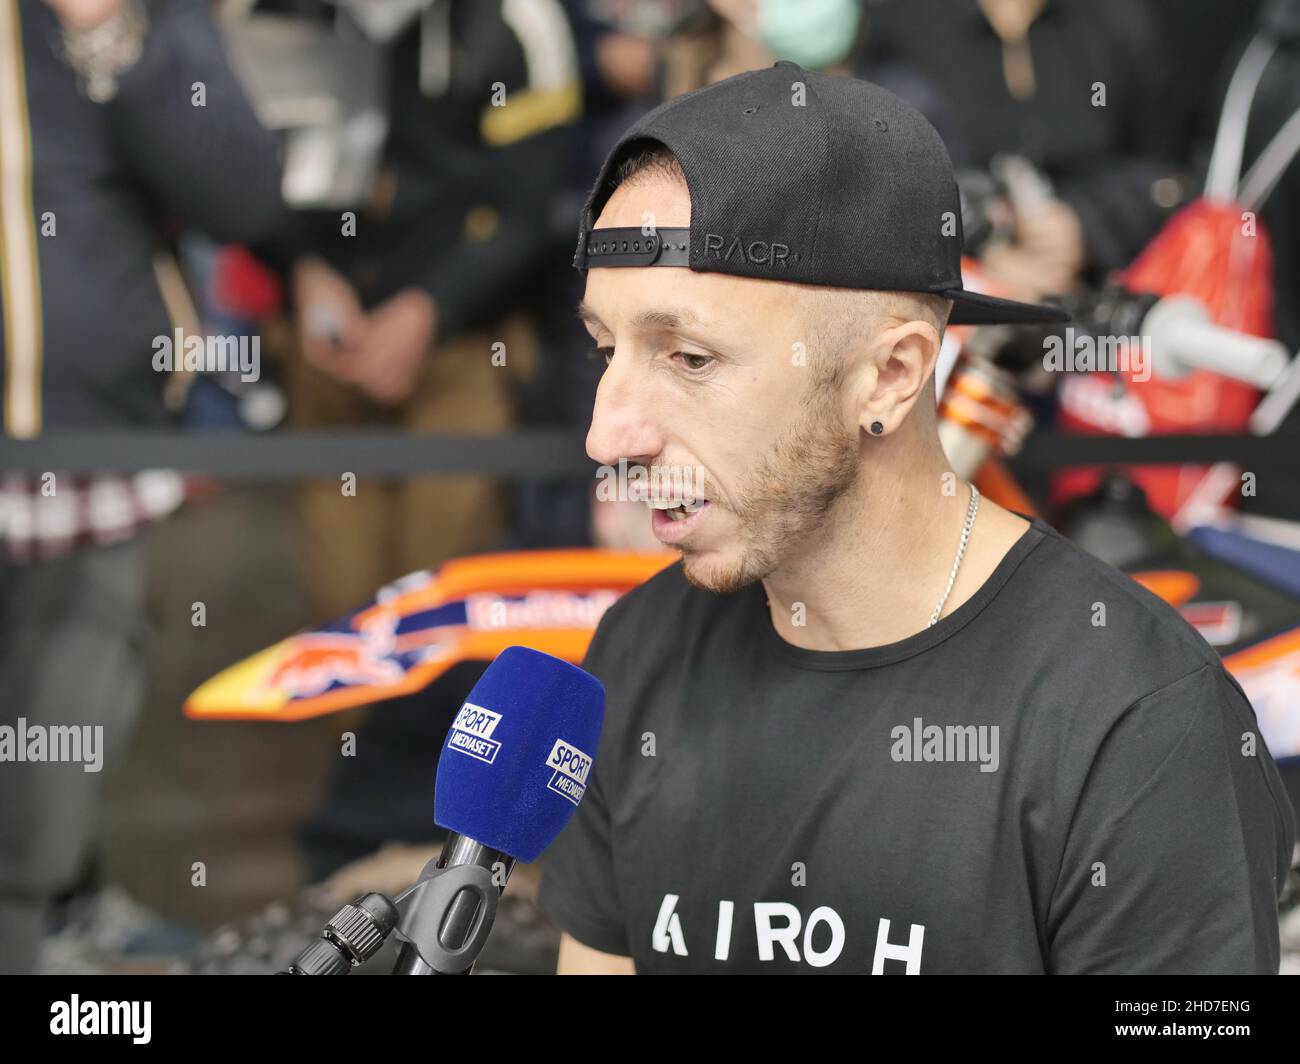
<point x="373" y="202"/>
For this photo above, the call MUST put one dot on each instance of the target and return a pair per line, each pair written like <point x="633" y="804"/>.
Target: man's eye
<point x="605" y="353"/>
<point x="693" y="362"/>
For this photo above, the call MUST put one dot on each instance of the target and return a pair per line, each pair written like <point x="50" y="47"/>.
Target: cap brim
<point x="972" y="308"/>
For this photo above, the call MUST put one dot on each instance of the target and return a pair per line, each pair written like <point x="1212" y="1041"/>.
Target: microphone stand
<point x="444" y="917"/>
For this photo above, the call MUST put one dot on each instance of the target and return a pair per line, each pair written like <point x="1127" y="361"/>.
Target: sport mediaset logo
<point x="569" y="780"/>
<point x="471" y="732"/>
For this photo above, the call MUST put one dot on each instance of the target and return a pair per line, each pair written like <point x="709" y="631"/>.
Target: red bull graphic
<point x="417" y="628"/>
<point x="321" y="662"/>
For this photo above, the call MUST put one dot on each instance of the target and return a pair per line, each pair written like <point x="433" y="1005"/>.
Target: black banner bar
<point x="355" y="1018"/>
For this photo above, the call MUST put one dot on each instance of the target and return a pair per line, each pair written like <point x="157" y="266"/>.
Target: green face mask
<point x="812" y="33"/>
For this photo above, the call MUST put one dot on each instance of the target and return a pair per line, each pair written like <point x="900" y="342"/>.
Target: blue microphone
<point x="514" y="767"/>
<point x="517" y="759"/>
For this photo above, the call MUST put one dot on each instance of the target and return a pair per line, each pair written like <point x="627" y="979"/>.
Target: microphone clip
<point x="448" y="946"/>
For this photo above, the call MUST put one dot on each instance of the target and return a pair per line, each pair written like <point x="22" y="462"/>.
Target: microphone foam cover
<point x="517" y="759"/>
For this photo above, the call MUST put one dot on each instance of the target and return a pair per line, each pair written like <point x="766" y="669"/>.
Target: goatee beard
<point x="803" y="477"/>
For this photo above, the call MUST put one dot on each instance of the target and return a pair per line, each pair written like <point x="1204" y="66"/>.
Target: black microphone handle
<point x="459" y="918"/>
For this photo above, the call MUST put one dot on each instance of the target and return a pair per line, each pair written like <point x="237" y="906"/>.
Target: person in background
<point x="728" y="37"/>
<point x="117" y="119"/>
<point x="1070" y="86"/>
<point x="408" y="320"/>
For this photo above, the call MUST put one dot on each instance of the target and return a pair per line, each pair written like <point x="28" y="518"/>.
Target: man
<point x="870" y="722"/>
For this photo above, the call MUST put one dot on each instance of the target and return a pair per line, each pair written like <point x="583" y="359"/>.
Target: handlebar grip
<point x="1183" y="339"/>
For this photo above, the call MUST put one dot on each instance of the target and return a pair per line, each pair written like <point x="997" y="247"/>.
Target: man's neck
<point x="881" y="564"/>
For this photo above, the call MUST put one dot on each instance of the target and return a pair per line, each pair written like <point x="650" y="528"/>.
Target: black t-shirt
<point x="1059" y="776"/>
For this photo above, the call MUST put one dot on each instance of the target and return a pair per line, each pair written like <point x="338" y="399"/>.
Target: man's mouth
<point x="673" y="520"/>
<point x="676" y="509"/>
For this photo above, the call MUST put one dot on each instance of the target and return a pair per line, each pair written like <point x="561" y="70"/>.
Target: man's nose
<point x="621" y="427"/>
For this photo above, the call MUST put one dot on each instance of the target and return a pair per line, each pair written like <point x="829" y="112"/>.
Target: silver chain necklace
<point x="971" y="510"/>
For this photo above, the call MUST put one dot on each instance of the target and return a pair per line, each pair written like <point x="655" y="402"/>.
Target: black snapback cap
<point x="806" y="177"/>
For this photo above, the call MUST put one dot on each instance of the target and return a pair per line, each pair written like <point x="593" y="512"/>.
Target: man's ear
<point x="904" y="356"/>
